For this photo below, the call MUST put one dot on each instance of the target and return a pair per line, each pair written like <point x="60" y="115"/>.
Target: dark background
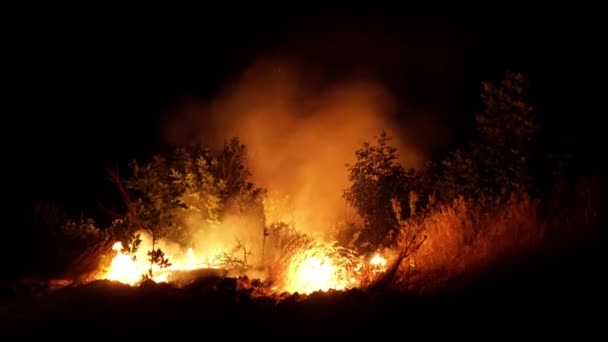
<point x="88" y="91"/>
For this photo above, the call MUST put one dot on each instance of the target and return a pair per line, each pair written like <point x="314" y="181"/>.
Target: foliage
<point x="498" y="163"/>
<point x="83" y="233"/>
<point x="460" y="176"/>
<point x="507" y="128"/>
<point x="157" y="257"/>
<point x="450" y="204"/>
<point x="489" y="169"/>
<point x="376" y="178"/>
<point x="191" y="182"/>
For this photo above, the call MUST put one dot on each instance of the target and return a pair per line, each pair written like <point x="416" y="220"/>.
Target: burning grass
<point x="132" y="268"/>
<point x="298" y="263"/>
<point x="319" y="266"/>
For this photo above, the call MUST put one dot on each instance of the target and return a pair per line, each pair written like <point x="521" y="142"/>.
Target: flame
<point x="123" y="268"/>
<point x="322" y="267"/>
<point x="318" y="266"/>
<point x="378" y="262"/>
<point x="316" y="273"/>
<point x="130" y="269"/>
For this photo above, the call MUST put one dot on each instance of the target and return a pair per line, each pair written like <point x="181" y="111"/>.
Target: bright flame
<point x="322" y="267"/>
<point x="319" y="268"/>
<point x="130" y="269"/>
<point x="123" y="268"/>
<point x="315" y="267"/>
<point x="378" y="262"/>
<point x="317" y="274"/>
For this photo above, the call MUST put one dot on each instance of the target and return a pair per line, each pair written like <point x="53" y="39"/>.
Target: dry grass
<point x="460" y="238"/>
<point x="87" y="265"/>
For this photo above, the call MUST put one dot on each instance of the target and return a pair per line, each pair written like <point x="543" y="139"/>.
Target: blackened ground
<point x="541" y="298"/>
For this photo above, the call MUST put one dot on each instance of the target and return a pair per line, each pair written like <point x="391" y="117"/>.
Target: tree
<point x="507" y="129"/>
<point x="376" y="178"/>
<point x="498" y="162"/>
<point x="190" y="182"/>
<point x="460" y="176"/>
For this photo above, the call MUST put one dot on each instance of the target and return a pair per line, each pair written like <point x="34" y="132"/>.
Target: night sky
<point x="91" y="92"/>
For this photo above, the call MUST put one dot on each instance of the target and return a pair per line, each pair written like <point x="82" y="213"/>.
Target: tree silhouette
<point x="376" y="178"/>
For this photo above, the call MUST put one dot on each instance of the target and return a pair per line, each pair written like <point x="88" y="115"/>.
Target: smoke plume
<point x="300" y="134"/>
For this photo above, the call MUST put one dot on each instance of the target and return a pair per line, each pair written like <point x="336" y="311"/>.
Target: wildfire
<point x="323" y="267"/>
<point x="315" y="273"/>
<point x="130" y="269"/>
<point x="314" y="267"/>
<point x="123" y="268"/>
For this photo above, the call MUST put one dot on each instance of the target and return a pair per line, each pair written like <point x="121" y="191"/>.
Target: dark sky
<point x="91" y="92"/>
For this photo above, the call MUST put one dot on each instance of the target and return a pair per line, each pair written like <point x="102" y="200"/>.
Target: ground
<point x="556" y="298"/>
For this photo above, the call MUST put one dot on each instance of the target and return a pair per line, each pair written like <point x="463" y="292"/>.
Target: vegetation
<point x="445" y="216"/>
<point x="476" y="205"/>
<point x="192" y="183"/>
<point x="376" y="179"/>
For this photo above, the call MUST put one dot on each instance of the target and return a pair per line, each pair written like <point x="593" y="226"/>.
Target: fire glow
<point x="130" y="270"/>
<point x="314" y="268"/>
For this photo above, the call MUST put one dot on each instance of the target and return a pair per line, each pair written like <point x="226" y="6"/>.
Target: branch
<point x="108" y="211"/>
<point x="411" y="244"/>
<point x="114" y="177"/>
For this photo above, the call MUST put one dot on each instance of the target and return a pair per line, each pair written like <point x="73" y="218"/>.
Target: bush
<point x="191" y="184"/>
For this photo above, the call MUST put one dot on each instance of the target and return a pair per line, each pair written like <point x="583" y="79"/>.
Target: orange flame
<point x="130" y="269"/>
<point x="378" y="261"/>
<point x="319" y="267"/>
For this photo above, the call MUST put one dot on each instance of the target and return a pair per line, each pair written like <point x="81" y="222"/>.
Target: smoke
<point x="300" y="133"/>
<point x="238" y="235"/>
